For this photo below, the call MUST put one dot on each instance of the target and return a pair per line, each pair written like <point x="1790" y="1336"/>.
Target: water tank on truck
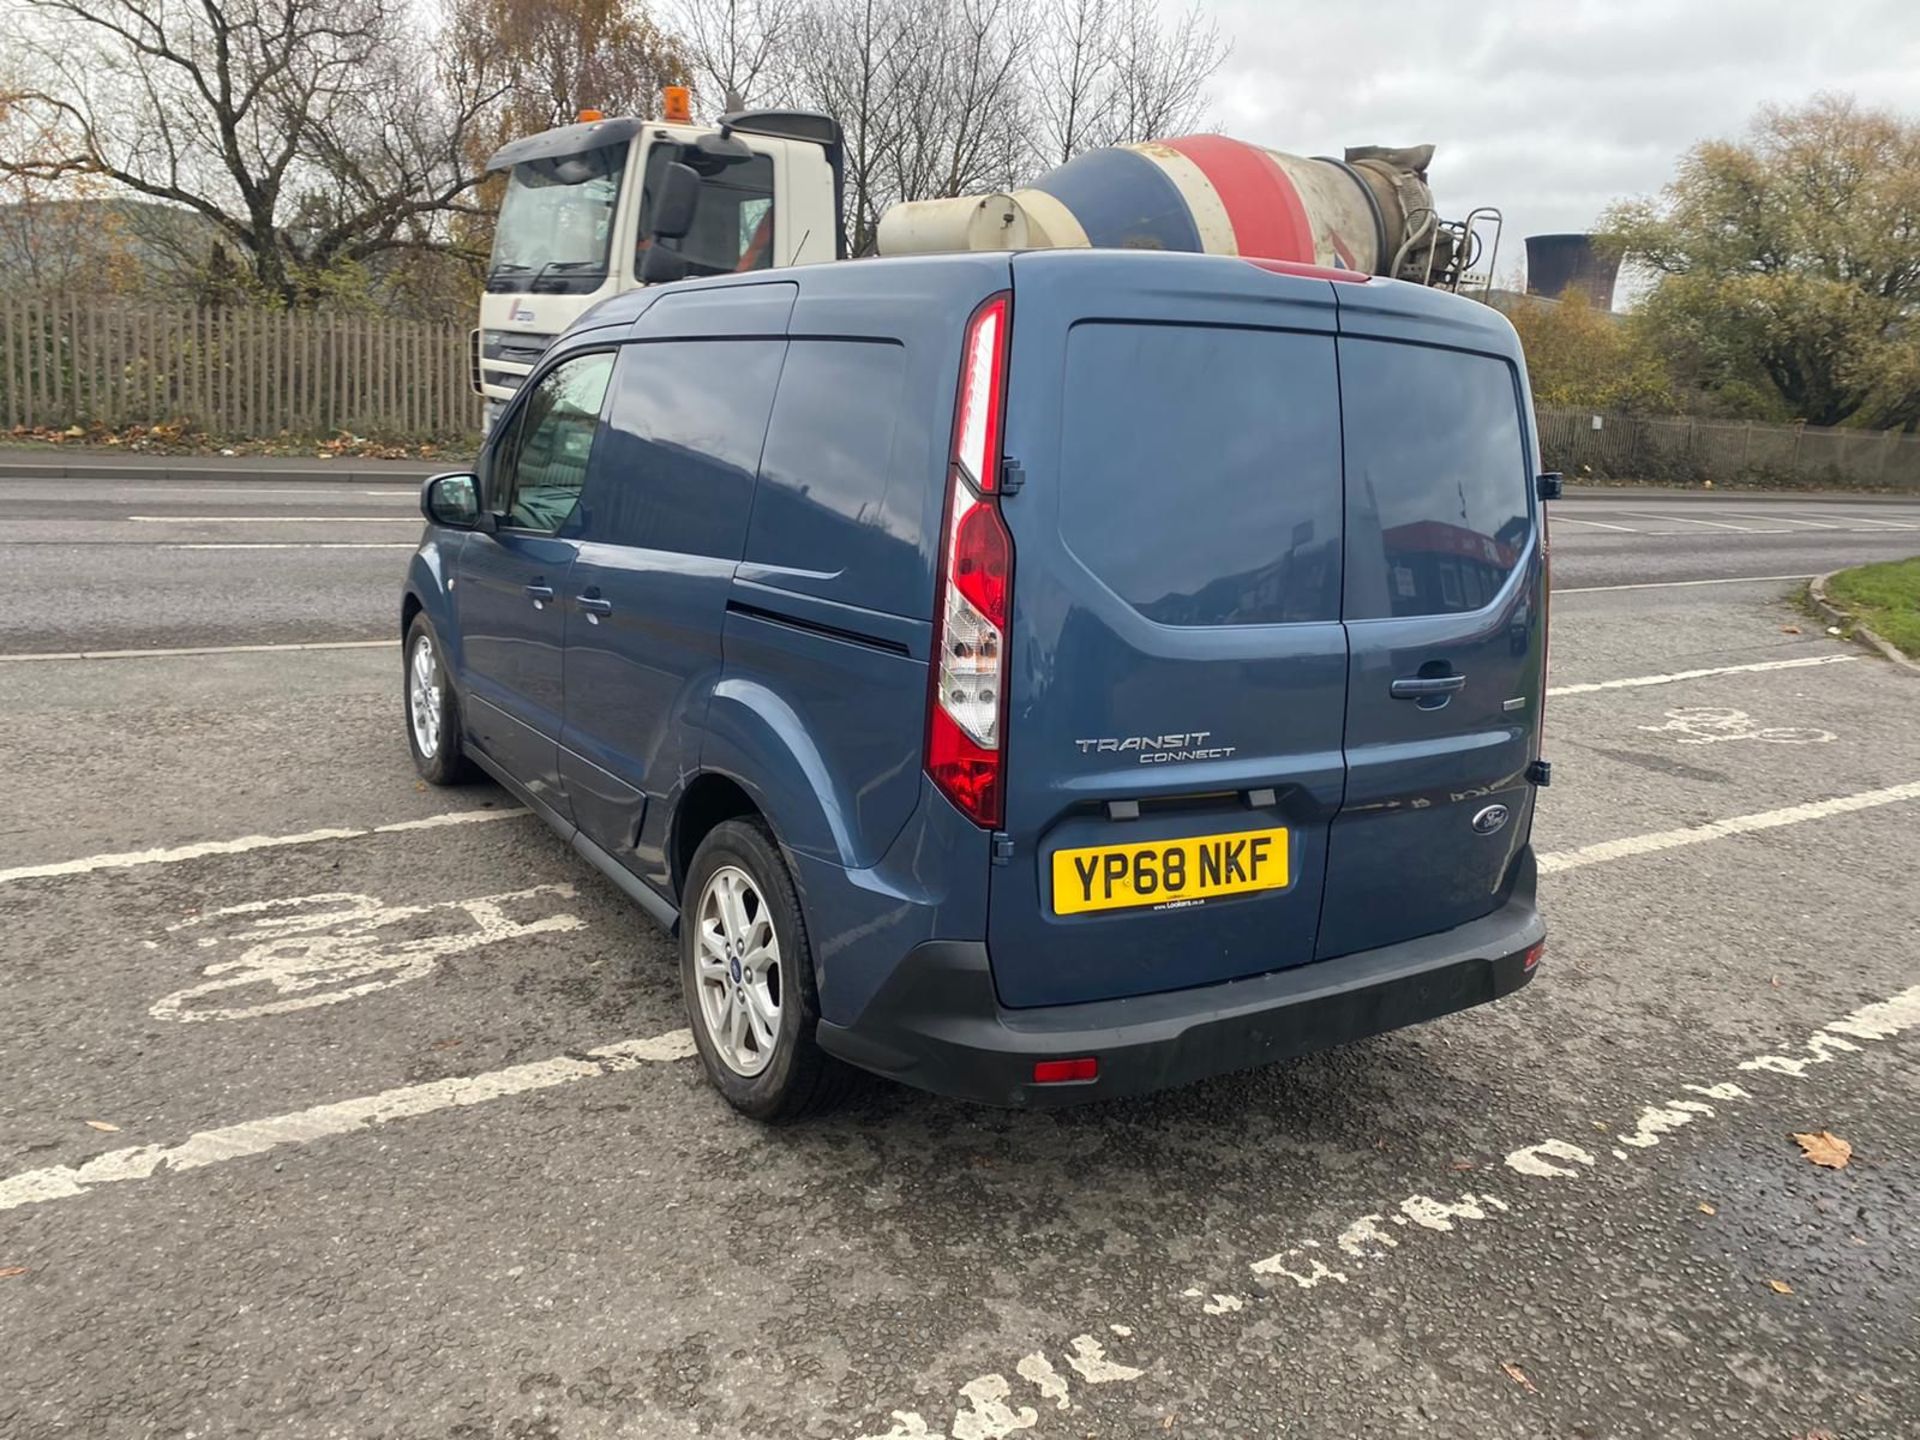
<point x="1370" y="211"/>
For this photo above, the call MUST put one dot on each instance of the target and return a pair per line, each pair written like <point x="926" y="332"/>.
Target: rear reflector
<point x="1534" y="952"/>
<point x="1060" y="1072"/>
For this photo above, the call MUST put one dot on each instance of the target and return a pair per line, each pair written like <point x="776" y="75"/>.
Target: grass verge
<point x="1885" y="599"/>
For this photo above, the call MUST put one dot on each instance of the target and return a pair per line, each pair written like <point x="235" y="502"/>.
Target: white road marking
<point x="406" y="494"/>
<point x="1633" y="682"/>
<point x="276" y="519"/>
<point x="1677" y="584"/>
<point x="1560" y="519"/>
<point x="1545" y="1163"/>
<point x="172" y="855"/>
<point x="167" y="654"/>
<point x="1687" y="520"/>
<point x="314" y="950"/>
<point x="1874" y="520"/>
<point x="1786" y="519"/>
<point x="289" y="545"/>
<point x="1556" y="861"/>
<point x="302" y="1127"/>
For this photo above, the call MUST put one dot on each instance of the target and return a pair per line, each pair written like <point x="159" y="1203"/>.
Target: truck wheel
<point x="747" y="971"/>
<point x="433" y="718"/>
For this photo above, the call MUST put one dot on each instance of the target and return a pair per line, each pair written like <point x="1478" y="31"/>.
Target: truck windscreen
<point x="556" y="223"/>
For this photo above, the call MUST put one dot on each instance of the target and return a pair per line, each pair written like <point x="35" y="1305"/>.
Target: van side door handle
<point x="594" y="606"/>
<point x="1425" y="687"/>
<point x="539" y="594"/>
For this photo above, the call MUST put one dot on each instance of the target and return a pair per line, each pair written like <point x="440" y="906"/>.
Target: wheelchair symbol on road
<point x="1712" y="724"/>
<point x="306" y="951"/>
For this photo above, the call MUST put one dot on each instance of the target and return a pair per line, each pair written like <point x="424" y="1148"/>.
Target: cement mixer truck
<point x="600" y="206"/>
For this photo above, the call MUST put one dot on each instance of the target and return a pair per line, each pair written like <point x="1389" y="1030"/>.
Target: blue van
<point x="1033" y="677"/>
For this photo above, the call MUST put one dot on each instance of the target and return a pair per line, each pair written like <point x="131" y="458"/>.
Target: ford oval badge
<point x="1490" y="820"/>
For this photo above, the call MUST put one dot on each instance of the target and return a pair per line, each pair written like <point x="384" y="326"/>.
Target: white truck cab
<point x="573" y="227"/>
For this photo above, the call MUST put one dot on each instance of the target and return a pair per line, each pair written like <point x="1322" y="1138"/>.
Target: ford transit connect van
<point x="1032" y="677"/>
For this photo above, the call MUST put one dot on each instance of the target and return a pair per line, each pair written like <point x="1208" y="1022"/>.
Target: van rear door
<point x="1445" y="607"/>
<point x="1177" y="684"/>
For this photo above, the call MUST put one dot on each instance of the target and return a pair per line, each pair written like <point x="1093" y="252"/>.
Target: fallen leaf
<point x="1789" y="629"/>
<point x="1463" y="1164"/>
<point x="1780" y="1287"/>
<point x="1825" y="1148"/>
<point x="1706" y="1209"/>
<point x="10" y="1271"/>
<point x="107" y="1126"/>
<point x="1775" y="982"/>
<point x="1518" y="1376"/>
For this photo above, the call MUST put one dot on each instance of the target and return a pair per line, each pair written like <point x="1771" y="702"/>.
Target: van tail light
<point x="967" y="705"/>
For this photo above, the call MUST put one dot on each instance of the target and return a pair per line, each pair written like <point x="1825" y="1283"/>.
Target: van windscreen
<point x="1200" y="471"/>
<point x="1437" y="478"/>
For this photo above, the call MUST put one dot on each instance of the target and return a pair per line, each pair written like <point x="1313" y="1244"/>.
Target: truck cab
<point x="573" y="227"/>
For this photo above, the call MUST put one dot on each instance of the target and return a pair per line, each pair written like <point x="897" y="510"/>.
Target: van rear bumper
<point x="938" y="1025"/>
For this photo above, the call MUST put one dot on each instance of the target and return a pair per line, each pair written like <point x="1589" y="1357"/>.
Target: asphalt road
<point x="264" y="561"/>
<point x="402" y="1140"/>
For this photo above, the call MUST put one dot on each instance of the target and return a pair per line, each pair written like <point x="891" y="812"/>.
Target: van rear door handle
<point x="1425" y="687"/>
<point x="593" y="605"/>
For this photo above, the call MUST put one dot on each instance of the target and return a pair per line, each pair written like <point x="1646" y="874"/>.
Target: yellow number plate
<point x="1168" y="872"/>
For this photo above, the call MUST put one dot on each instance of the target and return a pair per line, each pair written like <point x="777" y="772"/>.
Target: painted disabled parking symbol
<point x="305" y="951"/>
<point x="1713" y="724"/>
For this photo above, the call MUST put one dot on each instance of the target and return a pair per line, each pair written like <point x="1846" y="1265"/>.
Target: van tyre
<point x="433" y="715"/>
<point x="747" y="972"/>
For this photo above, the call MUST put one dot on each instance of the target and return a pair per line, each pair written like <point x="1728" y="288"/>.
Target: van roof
<point x="1373" y="304"/>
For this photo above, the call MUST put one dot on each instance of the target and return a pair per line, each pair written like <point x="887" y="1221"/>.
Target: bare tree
<point x="963" y="121"/>
<point x="849" y="59"/>
<point x="1158" y="83"/>
<point x="1115" y="72"/>
<point x="1070" y="68"/>
<point x="564" y="56"/>
<point x="737" y="48"/>
<point x="304" y="133"/>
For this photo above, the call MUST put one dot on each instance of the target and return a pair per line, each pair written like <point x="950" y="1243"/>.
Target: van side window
<point x="1437" y="478"/>
<point x="1200" y="471"/>
<point x="827" y="499"/>
<point x="683" y="443"/>
<point x="541" y="465"/>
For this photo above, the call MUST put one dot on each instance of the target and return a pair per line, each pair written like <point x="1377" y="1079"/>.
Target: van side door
<point x="510" y="582"/>
<point x="1444" y="608"/>
<point x="664" y="524"/>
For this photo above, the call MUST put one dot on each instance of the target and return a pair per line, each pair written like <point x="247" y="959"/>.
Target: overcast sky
<point x="1548" y="109"/>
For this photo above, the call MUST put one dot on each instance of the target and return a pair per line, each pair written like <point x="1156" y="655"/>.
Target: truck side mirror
<point x="674" y="202"/>
<point x="660" y="265"/>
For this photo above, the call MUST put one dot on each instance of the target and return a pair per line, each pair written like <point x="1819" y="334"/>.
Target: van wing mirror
<point x="674" y="202"/>
<point x="453" y="500"/>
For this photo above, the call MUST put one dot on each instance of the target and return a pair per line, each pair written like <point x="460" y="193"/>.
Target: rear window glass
<point x="1437" y="479"/>
<point x="1200" y="471"/>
